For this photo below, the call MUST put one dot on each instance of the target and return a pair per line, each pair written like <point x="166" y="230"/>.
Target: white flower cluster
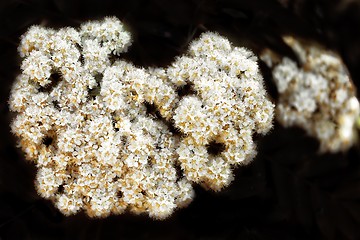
<point x="318" y="95"/>
<point x="108" y="136"/>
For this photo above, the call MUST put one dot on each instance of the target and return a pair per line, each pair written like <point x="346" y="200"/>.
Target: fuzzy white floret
<point x="108" y="136"/>
<point x="318" y="95"/>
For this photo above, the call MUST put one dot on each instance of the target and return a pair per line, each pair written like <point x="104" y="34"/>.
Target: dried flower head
<point x="109" y="136"/>
<point x="317" y="96"/>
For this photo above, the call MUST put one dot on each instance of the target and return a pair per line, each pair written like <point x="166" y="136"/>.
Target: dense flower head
<point x="318" y="95"/>
<point x="108" y="136"/>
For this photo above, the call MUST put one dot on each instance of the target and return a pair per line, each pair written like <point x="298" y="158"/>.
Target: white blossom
<point x="109" y="136"/>
<point x="317" y="96"/>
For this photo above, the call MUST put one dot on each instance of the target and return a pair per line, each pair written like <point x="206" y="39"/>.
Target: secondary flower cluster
<point x="107" y="136"/>
<point x="318" y="95"/>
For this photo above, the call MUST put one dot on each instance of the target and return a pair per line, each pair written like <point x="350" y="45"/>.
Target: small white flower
<point x="107" y="136"/>
<point x="317" y="96"/>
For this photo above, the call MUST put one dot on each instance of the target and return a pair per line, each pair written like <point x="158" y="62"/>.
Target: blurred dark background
<point x="288" y="192"/>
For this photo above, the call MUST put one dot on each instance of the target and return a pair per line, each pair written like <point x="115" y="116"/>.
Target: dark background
<point x="288" y="192"/>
